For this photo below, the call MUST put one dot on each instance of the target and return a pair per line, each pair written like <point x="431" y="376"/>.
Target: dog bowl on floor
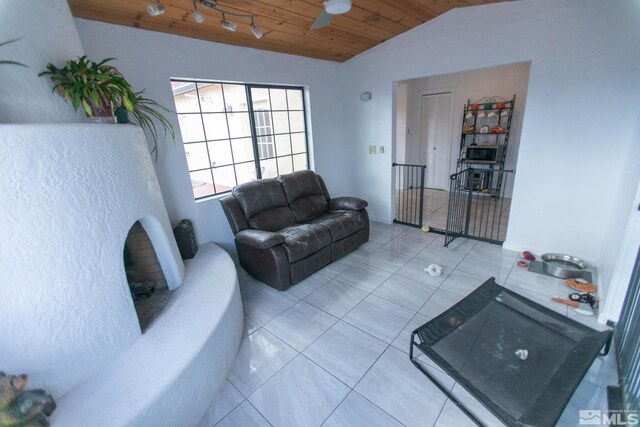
<point x="563" y="266"/>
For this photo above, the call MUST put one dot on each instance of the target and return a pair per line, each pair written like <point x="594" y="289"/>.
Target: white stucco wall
<point x="47" y="35"/>
<point x="149" y="59"/>
<point x="76" y="190"/>
<point x="582" y="103"/>
<point x="622" y="239"/>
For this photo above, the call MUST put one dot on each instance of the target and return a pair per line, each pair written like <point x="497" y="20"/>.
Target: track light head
<point x="155" y="9"/>
<point x="255" y="30"/>
<point x="211" y="4"/>
<point x="228" y="25"/>
<point x="197" y="16"/>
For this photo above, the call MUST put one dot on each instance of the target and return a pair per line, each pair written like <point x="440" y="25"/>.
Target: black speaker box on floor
<point x="186" y="239"/>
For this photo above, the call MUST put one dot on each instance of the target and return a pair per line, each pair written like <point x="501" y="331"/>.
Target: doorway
<point x="435" y="139"/>
<point x="429" y="130"/>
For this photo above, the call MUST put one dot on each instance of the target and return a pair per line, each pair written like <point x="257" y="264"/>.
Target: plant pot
<point x="102" y="115"/>
<point x="122" y="115"/>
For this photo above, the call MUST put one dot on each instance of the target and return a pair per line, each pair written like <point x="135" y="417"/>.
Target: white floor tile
<point x="249" y="285"/>
<point x="250" y="326"/>
<point x="404" y="337"/>
<point x="402" y="245"/>
<point x="405" y="291"/>
<point x="227" y="399"/>
<point x="363" y="276"/>
<point x="308" y="285"/>
<point x="400" y="389"/>
<point x="338" y="266"/>
<point x="302" y="394"/>
<point x="379" y="317"/>
<point x="266" y="304"/>
<point x="261" y="355"/>
<point x="346" y="352"/>
<point x="355" y="410"/>
<point x="463" y="282"/>
<point x="385" y="260"/>
<point x="244" y="415"/>
<point x="415" y="270"/>
<point x="300" y="325"/>
<point x="336" y="298"/>
<point x="440" y="301"/>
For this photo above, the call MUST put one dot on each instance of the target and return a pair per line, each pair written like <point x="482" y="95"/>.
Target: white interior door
<point x="435" y="139"/>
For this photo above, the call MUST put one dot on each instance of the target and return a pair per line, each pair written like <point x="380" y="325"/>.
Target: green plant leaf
<point x="87" y="108"/>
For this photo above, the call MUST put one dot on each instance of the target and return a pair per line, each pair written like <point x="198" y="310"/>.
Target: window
<point x="236" y="133"/>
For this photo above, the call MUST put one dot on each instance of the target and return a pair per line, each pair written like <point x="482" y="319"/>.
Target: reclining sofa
<point x="289" y="227"/>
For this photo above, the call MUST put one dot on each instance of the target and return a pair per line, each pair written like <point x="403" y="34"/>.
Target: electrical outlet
<point x="372" y="149"/>
<point x="381" y="149"/>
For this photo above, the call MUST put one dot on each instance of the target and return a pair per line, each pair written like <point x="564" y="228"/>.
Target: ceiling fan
<point x="331" y="7"/>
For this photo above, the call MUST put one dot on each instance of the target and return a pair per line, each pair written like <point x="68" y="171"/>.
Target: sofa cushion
<point x="302" y="240"/>
<point x="304" y="193"/>
<point x="264" y="204"/>
<point x="341" y="223"/>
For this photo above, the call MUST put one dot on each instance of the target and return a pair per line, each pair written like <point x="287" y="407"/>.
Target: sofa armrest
<point x="347" y="203"/>
<point x="259" y="239"/>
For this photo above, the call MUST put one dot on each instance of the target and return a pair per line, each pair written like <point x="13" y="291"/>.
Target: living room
<point x="577" y="183"/>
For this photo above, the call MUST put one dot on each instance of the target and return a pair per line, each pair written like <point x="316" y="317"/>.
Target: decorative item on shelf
<point x="9" y="62"/>
<point x="101" y="88"/>
<point x="497" y="129"/>
<point x="501" y="105"/>
<point x="484" y="129"/>
<point x="95" y="86"/>
<point x="474" y="107"/>
<point x="468" y="129"/>
<point x="488" y="106"/>
<point x="157" y="9"/>
<point x="20" y="407"/>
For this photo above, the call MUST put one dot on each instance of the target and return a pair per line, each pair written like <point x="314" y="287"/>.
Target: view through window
<point x="235" y="133"/>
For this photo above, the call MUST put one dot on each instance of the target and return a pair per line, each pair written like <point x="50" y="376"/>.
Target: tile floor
<point x="333" y="349"/>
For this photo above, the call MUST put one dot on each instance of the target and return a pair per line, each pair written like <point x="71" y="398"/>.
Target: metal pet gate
<point x="409" y="188"/>
<point x="477" y="205"/>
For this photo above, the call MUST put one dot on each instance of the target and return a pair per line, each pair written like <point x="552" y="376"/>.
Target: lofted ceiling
<point x="285" y="23"/>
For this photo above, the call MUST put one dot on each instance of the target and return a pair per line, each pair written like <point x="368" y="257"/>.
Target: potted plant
<point x="95" y="86"/>
<point x="8" y="62"/>
<point x="100" y="88"/>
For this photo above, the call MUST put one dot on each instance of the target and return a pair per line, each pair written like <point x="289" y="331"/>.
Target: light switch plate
<point x="372" y="149"/>
<point x="381" y="149"/>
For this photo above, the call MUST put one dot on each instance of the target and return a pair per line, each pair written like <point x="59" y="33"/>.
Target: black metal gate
<point x="627" y="339"/>
<point x="409" y="187"/>
<point x="477" y="207"/>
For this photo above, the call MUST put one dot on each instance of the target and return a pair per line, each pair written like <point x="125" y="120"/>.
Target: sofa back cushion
<point x="305" y="194"/>
<point x="264" y="204"/>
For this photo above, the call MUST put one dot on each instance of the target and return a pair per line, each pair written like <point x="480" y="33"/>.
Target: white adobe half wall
<point x="70" y="195"/>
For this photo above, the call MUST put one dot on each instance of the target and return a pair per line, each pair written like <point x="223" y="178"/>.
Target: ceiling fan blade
<point x="322" y="20"/>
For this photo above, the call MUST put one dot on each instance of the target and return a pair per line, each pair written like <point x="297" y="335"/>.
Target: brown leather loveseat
<point x="289" y="227"/>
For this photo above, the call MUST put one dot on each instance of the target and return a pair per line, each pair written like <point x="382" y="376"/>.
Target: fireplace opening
<point x="146" y="280"/>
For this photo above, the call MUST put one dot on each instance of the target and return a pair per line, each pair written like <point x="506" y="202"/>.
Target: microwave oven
<point x="484" y="153"/>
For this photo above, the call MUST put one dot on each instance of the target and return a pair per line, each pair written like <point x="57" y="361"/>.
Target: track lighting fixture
<point x="255" y="30"/>
<point x="228" y="25"/>
<point x="197" y="16"/>
<point x="155" y="9"/>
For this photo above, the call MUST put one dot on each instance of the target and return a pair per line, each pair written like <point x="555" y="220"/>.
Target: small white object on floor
<point x="522" y="354"/>
<point x="584" y="312"/>
<point x="434" y="270"/>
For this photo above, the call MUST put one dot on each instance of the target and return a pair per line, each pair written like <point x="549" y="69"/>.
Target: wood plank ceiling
<point x="285" y="23"/>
